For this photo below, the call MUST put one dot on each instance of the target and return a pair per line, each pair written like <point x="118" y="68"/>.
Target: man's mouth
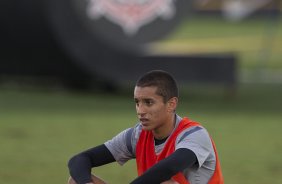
<point x="143" y="120"/>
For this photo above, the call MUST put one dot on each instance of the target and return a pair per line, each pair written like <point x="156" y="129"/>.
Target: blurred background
<point x="68" y="68"/>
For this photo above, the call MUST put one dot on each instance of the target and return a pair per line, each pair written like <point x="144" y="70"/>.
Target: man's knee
<point x="95" y="179"/>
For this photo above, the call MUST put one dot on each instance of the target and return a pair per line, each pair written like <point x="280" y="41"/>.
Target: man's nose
<point x="140" y="110"/>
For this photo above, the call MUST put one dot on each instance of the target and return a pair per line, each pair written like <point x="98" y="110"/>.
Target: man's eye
<point x="149" y="102"/>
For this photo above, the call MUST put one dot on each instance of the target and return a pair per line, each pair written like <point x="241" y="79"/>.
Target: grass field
<point x="40" y="130"/>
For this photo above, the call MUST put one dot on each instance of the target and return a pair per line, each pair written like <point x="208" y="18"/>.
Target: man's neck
<point x="164" y="131"/>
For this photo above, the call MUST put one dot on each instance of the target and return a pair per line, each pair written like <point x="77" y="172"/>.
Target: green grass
<point x="255" y="41"/>
<point x="41" y="130"/>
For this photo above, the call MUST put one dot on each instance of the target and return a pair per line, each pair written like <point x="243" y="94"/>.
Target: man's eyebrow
<point x="148" y="99"/>
<point x="143" y="99"/>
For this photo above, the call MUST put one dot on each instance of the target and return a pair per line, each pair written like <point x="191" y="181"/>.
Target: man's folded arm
<point x="162" y="171"/>
<point x="81" y="164"/>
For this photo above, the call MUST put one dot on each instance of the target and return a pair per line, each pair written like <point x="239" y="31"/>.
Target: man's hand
<point x="170" y="182"/>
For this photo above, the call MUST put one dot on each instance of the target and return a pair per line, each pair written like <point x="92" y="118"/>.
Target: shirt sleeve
<point x="123" y="145"/>
<point x="197" y="140"/>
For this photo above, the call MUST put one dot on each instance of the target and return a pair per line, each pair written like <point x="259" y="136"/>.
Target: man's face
<point x="151" y="110"/>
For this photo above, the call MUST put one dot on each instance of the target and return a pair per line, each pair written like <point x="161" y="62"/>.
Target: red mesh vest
<point x="146" y="156"/>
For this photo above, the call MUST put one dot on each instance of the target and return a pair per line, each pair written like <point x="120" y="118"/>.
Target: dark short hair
<point x="165" y="83"/>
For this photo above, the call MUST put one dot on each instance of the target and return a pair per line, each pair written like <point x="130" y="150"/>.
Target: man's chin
<point x="146" y="127"/>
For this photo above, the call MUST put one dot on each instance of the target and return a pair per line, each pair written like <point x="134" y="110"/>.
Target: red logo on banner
<point x="131" y="14"/>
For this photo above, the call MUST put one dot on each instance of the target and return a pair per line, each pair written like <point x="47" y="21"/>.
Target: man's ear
<point x="172" y="104"/>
